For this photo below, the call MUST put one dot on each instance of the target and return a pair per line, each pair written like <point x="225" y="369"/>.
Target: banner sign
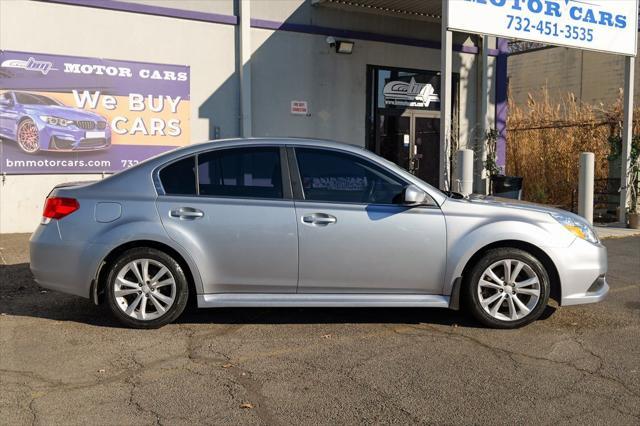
<point x="67" y="114"/>
<point x="409" y="94"/>
<point x="603" y="25"/>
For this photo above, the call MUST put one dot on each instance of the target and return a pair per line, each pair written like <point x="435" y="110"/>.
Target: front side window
<point x="253" y="172"/>
<point x="337" y="177"/>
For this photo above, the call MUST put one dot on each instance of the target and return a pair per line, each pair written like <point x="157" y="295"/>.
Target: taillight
<point x="59" y="207"/>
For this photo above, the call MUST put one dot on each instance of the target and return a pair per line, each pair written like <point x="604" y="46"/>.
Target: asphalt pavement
<point x="65" y="361"/>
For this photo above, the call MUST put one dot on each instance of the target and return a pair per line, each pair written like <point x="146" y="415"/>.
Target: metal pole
<point x="483" y="94"/>
<point x="245" y="52"/>
<point x="585" y="188"/>
<point x="445" y="97"/>
<point x="464" y="167"/>
<point x="627" y="134"/>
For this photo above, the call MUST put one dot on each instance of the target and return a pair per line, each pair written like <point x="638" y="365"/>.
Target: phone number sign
<point x="603" y="25"/>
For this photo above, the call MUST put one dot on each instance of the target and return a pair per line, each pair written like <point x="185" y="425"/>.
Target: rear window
<point x="179" y="178"/>
<point x="252" y="172"/>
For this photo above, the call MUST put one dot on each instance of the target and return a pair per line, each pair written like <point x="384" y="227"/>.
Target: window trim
<point x="297" y="177"/>
<point x="287" y="194"/>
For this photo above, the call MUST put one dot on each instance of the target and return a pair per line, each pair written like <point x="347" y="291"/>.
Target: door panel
<point x="371" y="249"/>
<point x="227" y="208"/>
<point x="238" y="245"/>
<point x="353" y="235"/>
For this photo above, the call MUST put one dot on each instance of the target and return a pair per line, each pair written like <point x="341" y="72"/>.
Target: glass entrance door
<point x="403" y="117"/>
<point x="412" y="141"/>
<point x="426" y="143"/>
<point x="393" y="139"/>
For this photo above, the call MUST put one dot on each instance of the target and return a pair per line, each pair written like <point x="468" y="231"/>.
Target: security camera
<point x="331" y="41"/>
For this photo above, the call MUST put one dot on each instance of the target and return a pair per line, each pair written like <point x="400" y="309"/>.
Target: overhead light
<point x="345" y="47"/>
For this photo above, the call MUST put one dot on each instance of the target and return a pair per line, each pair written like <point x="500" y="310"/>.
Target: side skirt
<point x="268" y="300"/>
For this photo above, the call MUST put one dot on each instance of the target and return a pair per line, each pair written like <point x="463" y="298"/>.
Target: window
<point x="333" y="176"/>
<point x="241" y="172"/>
<point x="33" y="99"/>
<point x="179" y="178"/>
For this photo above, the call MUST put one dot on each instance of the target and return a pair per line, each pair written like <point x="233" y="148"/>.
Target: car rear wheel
<point x="507" y="288"/>
<point x="146" y="288"/>
<point x="28" y="137"/>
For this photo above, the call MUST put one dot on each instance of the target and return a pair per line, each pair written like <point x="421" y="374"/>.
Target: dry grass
<point x="545" y="140"/>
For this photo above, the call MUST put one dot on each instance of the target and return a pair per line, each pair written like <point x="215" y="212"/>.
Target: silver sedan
<point x="305" y="223"/>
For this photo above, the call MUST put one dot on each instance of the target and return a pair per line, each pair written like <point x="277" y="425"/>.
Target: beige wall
<point x="83" y="31"/>
<point x="593" y="77"/>
<point x="285" y="66"/>
<point x="224" y="7"/>
<point x="288" y="66"/>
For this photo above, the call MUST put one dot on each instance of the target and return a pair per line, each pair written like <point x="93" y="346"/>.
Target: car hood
<point x="64" y="112"/>
<point x="514" y="204"/>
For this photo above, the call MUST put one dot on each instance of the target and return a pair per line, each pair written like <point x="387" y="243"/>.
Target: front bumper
<point x="582" y="268"/>
<point x="73" y="138"/>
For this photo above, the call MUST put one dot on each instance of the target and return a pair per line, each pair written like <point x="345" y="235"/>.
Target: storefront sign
<point x="65" y="114"/>
<point x="603" y="25"/>
<point x="409" y="94"/>
<point x="299" y="108"/>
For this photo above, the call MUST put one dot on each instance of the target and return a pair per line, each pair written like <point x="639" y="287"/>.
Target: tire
<point x="144" y="303"/>
<point x="28" y="136"/>
<point x="512" y="302"/>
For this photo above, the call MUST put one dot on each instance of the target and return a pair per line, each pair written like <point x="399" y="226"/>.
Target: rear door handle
<point x="319" y="219"/>
<point x="186" y="213"/>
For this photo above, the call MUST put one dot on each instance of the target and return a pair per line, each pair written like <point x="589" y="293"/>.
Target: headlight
<point x="579" y="228"/>
<point x="56" y="121"/>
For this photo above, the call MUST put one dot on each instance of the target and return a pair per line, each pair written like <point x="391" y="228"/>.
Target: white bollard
<point x="464" y="179"/>
<point x="585" y="188"/>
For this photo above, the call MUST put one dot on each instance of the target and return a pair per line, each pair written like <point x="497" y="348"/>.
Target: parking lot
<point x="64" y="361"/>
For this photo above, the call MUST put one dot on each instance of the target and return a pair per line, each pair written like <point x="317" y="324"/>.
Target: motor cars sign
<point x="603" y="25"/>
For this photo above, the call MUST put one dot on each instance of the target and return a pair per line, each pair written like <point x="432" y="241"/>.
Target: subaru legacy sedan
<point x="305" y="223"/>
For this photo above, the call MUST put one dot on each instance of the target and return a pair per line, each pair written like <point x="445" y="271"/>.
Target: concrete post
<point x="585" y="187"/>
<point x="464" y="178"/>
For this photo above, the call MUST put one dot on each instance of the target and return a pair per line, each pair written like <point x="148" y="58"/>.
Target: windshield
<point x="31" y="99"/>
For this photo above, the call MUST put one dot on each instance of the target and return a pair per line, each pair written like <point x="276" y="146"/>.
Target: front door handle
<point x="319" y="219"/>
<point x="186" y="213"/>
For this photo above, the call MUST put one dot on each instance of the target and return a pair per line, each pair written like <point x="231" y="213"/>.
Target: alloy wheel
<point x="144" y="289"/>
<point x="509" y="290"/>
<point x="28" y="137"/>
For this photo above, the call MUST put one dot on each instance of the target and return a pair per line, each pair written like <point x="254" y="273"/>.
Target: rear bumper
<point x="582" y="268"/>
<point x="64" y="266"/>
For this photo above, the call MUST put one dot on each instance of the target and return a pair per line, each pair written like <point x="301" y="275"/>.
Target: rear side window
<point x="337" y="177"/>
<point x="179" y="178"/>
<point x="253" y="172"/>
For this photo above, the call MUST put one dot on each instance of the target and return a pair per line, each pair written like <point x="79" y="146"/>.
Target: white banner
<point x="602" y="25"/>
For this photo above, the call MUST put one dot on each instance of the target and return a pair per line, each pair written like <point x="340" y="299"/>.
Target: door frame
<point x="414" y="114"/>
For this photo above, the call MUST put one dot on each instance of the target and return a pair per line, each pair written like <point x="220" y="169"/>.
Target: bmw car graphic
<point x="40" y="123"/>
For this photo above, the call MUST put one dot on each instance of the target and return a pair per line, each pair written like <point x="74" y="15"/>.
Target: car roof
<point x="267" y="141"/>
<point x="288" y="140"/>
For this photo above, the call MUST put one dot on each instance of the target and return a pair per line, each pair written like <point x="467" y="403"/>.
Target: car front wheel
<point x="146" y="288"/>
<point x="507" y="288"/>
<point x="28" y="137"/>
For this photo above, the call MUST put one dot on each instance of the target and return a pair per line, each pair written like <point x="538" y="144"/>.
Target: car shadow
<point x="21" y="296"/>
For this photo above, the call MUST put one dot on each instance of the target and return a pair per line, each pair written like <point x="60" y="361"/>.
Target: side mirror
<point x="414" y="196"/>
<point x="5" y="102"/>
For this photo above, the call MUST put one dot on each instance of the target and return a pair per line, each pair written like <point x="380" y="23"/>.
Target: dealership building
<point x="364" y="72"/>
